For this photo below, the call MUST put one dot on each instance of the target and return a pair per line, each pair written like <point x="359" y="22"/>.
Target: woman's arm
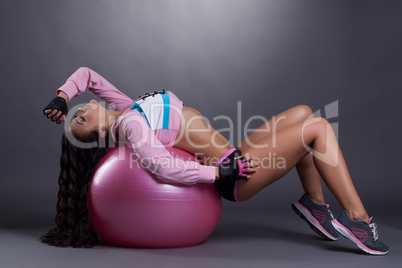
<point x="159" y="161"/>
<point x="86" y="79"/>
<point x="64" y="96"/>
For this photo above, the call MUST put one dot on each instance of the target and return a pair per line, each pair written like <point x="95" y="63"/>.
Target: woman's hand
<point x="253" y="165"/>
<point x="238" y="168"/>
<point x="57" y="109"/>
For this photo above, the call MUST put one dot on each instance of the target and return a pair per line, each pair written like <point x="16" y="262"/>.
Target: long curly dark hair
<point x="73" y="227"/>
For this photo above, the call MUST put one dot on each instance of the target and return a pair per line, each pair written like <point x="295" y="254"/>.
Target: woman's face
<point x="90" y="117"/>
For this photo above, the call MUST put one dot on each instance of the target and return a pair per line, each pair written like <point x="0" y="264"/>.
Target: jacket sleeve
<point x="85" y="79"/>
<point x="153" y="155"/>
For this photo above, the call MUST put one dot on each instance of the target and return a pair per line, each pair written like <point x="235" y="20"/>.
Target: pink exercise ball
<point x="130" y="206"/>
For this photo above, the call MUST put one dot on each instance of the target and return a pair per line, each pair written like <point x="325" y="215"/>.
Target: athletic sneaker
<point x="361" y="233"/>
<point x="319" y="217"/>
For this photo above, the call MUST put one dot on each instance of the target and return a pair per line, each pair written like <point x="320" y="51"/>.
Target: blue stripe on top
<point x="137" y="107"/>
<point x="166" y="110"/>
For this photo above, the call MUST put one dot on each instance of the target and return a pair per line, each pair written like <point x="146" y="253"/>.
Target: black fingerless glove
<point x="234" y="169"/>
<point x="58" y="104"/>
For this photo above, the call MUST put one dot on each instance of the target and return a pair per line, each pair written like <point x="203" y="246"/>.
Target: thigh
<point x="291" y="116"/>
<point x="282" y="151"/>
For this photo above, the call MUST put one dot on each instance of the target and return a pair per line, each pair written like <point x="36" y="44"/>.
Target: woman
<point x="157" y="120"/>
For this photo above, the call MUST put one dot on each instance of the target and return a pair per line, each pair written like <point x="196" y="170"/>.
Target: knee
<point x="304" y="111"/>
<point x="318" y="124"/>
<point x="323" y="121"/>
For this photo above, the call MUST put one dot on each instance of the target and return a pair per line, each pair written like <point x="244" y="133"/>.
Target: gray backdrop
<point x="270" y="55"/>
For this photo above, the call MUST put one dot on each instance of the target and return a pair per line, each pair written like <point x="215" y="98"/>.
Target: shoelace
<point x="373" y="227"/>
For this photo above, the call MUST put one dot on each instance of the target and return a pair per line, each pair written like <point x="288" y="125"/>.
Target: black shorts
<point x="227" y="188"/>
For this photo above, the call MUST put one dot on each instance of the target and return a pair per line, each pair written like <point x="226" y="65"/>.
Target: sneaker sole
<point x="305" y="214"/>
<point x="349" y="235"/>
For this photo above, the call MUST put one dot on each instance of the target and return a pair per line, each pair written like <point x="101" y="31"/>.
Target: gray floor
<point x="254" y="239"/>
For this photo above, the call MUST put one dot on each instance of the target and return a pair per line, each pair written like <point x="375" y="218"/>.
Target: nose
<point x="93" y="104"/>
<point x="90" y="105"/>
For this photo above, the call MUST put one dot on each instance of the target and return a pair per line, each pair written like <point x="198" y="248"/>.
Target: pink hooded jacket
<point x="148" y="144"/>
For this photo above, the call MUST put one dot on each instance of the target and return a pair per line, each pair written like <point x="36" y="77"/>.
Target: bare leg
<point x="308" y="174"/>
<point x="290" y="146"/>
<point x="201" y="139"/>
<point x="310" y="179"/>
